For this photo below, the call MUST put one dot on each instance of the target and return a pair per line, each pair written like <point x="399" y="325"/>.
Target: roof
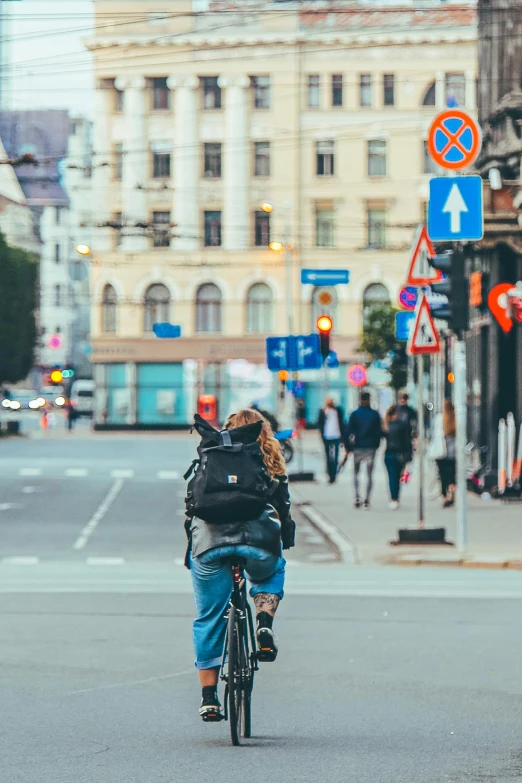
<point x="346" y="18"/>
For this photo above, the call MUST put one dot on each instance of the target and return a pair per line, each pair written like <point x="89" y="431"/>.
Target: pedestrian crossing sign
<point x="420" y="272"/>
<point x="424" y="337"/>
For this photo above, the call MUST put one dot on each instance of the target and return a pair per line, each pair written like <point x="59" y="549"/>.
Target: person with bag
<point x="237" y="505"/>
<point x="398" y="451"/>
<point x="443" y="450"/>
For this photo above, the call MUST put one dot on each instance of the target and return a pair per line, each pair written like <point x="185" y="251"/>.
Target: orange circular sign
<point x="325" y="298"/>
<point x="454" y="140"/>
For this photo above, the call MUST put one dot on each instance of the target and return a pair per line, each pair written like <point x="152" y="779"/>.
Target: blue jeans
<point x="394" y="465"/>
<point x="331" y="448"/>
<point x="212" y="581"/>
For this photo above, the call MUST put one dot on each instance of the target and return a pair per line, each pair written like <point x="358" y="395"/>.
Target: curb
<point x="497" y="564"/>
<point x="342" y="546"/>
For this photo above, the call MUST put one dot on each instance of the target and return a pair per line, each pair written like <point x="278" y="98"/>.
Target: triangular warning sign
<point x="424" y="337"/>
<point x="420" y="272"/>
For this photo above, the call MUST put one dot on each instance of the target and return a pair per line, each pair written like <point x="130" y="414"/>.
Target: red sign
<point x="408" y="298"/>
<point x="454" y="140"/>
<point x="498" y="305"/>
<point x="420" y="272"/>
<point x="424" y="337"/>
<point x="357" y="375"/>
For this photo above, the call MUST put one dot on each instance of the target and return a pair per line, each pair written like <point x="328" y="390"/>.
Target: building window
<point x="262" y="229"/>
<point x="259" y="309"/>
<point x="388" y="89"/>
<point x="160" y="94"/>
<point x="57" y="254"/>
<point x="337" y="89"/>
<point x="208" y="308"/>
<point x="211" y="93"/>
<point x="262" y="159"/>
<point x="57" y="215"/>
<point x="429" y="165"/>
<point x="377" y="158"/>
<point x="57" y="296"/>
<point x="375" y="295"/>
<point x="365" y="89"/>
<point x="455" y="89"/>
<point x="429" y="96"/>
<point x="314" y="91"/>
<point x="376" y="228"/>
<point x="119" y="99"/>
<point x="212" y="162"/>
<point x="118" y="161"/>
<point x="161" y="159"/>
<point x="324" y="302"/>
<point x="324" y="151"/>
<point x="109" y="305"/>
<point x="212" y="221"/>
<point x="261" y="88"/>
<point x="161" y="229"/>
<point x="324" y="227"/>
<point x="157" y="306"/>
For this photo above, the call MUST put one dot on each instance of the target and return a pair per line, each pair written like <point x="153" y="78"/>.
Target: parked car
<point x="23" y="399"/>
<point x="82" y="397"/>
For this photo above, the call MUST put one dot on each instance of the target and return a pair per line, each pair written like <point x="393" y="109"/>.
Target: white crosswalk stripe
<point x="168" y="475"/>
<point x="77" y="472"/>
<point x="122" y="473"/>
<point x="30" y="472"/>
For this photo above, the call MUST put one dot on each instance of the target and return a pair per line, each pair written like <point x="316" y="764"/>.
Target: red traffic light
<point x="324" y="324"/>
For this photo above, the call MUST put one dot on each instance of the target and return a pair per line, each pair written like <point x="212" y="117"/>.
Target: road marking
<point x="31" y="490"/>
<point x="344" y="547"/>
<point x="98" y="515"/>
<point x="20" y="560"/>
<point x="132" y="682"/>
<point x="179" y="561"/>
<point x="30" y="472"/>
<point x="168" y="475"/>
<point x="122" y="474"/>
<point x="77" y="472"/>
<point x="8" y="506"/>
<point x="105" y="561"/>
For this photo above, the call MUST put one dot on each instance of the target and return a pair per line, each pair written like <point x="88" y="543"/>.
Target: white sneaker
<point x="393" y="505"/>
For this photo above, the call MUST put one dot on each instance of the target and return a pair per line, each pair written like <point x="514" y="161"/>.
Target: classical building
<point x="223" y="131"/>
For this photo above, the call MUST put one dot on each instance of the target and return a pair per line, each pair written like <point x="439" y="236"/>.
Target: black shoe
<point x="266" y="645"/>
<point x="210" y="709"/>
<point x="358" y="503"/>
<point x="366" y="504"/>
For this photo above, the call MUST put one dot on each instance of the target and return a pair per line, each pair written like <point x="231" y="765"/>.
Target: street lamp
<point x="83" y="250"/>
<point x="267" y="207"/>
<point x="276" y="246"/>
<point x="287" y="246"/>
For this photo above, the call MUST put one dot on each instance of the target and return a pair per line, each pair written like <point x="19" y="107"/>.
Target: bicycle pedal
<point x="211" y="716"/>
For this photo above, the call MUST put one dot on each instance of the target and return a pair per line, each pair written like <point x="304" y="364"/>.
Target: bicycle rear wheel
<point x="248" y="669"/>
<point x="234" y="683"/>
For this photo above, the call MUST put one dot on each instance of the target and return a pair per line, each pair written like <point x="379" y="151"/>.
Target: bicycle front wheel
<point x="234" y="684"/>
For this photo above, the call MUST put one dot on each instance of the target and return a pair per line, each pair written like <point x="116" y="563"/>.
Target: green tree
<point x="378" y="340"/>
<point x="18" y="280"/>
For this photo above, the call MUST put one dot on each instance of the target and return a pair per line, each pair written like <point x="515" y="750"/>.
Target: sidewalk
<point x="494" y="528"/>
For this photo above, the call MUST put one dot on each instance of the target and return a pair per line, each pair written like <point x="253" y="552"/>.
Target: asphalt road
<point x="384" y="675"/>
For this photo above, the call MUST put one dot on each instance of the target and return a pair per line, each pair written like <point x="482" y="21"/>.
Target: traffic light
<point x="324" y="326"/>
<point x="56" y="377"/>
<point x="68" y="373"/>
<point x="283" y="376"/>
<point x="455" y="287"/>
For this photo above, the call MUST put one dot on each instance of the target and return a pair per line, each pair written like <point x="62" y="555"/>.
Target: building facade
<point x="234" y="148"/>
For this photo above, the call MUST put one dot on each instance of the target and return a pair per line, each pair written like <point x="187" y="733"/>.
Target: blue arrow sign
<point x="277" y="353"/>
<point x="332" y="360"/>
<point x="167" y="330"/>
<point x="325" y="276"/>
<point x="403" y="324"/>
<point x="293" y="353"/>
<point x="307" y="352"/>
<point x="455" y="209"/>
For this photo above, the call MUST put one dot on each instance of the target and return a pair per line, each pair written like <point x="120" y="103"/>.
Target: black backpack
<point x="230" y="482"/>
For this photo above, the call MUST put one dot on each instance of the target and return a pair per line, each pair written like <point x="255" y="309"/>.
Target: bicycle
<point x="239" y="658"/>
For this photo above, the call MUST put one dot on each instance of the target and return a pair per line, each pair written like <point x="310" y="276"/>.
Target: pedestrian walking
<point x="71" y="416"/>
<point x="331" y="425"/>
<point x="398" y="451"/>
<point x="363" y="437"/>
<point x="443" y="450"/>
<point x="408" y="415"/>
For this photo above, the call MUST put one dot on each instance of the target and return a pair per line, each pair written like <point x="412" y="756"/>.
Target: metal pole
<point x="288" y="279"/>
<point x="421" y="438"/>
<point x="461" y="442"/>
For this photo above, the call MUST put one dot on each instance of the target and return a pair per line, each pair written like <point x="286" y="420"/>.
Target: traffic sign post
<point x="455" y="210"/>
<point x="166" y="330"/>
<point x="454" y="140"/>
<point x="293" y="353"/>
<point x="320" y="277"/>
<point x="357" y="375"/>
<point x="420" y="272"/>
<point x="424" y="338"/>
<point x="404" y="324"/>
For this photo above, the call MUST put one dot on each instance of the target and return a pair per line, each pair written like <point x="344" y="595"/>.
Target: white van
<point x="82" y="397"/>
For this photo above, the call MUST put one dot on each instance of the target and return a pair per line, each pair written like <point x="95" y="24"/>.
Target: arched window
<point x="109" y="306"/>
<point x="259" y="309"/>
<point x="157" y="306"/>
<point x="374" y="295"/>
<point x="208" y="308"/>
<point x="429" y="97"/>
<point x="324" y="302"/>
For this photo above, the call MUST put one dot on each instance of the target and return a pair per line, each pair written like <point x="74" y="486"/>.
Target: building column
<point x="185" y="207"/>
<point x="440" y="90"/>
<point x="471" y="91"/>
<point x="236" y="165"/>
<point x="135" y="163"/>
<point x="101" y="174"/>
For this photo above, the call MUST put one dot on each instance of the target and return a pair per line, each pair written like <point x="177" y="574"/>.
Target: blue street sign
<point x="293" y="353"/>
<point x="332" y="360"/>
<point x="167" y="330"/>
<point x="325" y="276"/>
<point x="403" y="324"/>
<point x="455" y="209"/>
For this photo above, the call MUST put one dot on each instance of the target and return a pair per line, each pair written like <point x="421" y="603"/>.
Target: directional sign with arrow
<point x="455" y="210"/>
<point x="325" y="276"/>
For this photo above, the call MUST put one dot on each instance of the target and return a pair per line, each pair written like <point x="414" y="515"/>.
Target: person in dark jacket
<point x="257" y="541"/>
<point x="363" y="437"/>
<point x="398" y="451"/>
<point x="331" y="425"/>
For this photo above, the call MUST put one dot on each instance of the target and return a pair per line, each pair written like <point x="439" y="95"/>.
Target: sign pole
<point x="421" y="437"/>
<point x="460" y="443"/>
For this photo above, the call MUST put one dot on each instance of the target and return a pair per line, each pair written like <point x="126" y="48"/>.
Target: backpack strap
<point x="191" y="469"/>
<point x="226" y="440"/>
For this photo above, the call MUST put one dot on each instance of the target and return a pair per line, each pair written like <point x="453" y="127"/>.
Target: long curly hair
<point x="272" y="455"/>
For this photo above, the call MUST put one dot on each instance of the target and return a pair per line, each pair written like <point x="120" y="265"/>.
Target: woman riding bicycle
<point x="258" y="542"/>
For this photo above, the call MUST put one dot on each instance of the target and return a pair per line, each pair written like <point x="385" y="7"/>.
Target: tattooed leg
<point x="266" y="602"/>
